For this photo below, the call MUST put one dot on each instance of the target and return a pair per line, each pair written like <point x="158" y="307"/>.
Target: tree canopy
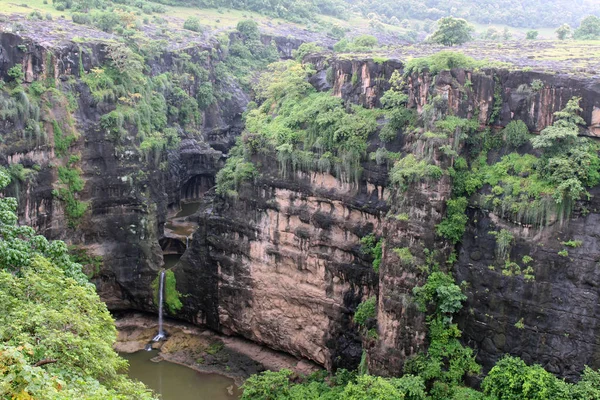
<point x="522" y="14"/>
<point x="589" y="29"/>
<point x="452" y="31"/>
<point x="56" y="335"/>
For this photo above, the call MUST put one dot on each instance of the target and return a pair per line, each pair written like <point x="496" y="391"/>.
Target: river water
<point x="176" y="382"/>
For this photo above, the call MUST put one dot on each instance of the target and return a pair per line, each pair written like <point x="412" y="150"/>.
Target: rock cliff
<point x="282" y="263"/>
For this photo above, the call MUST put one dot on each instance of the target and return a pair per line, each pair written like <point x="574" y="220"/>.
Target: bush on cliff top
<point x="307" y="130"/>
<point x="447" y="60"/>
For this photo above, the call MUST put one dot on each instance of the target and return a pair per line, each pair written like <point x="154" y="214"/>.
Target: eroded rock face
<point x="282" y="264"/>
<point x="552" y="319"/>
<point x="556" y="313"/>
<point x="128" y="198"/>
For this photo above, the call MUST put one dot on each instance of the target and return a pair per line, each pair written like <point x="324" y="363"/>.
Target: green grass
<point x="9" y="7"/>
<point x="228" y="19"/>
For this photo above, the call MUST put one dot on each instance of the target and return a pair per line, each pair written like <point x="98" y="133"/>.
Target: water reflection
<point x="176" y="382"/>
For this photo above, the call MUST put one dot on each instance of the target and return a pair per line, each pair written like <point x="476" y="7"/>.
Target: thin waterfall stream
<point x="161" y="290"/>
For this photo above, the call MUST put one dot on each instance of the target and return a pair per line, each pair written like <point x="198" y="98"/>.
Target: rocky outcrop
<point x="127" y="199"/>
<point x="549" y="320"/>
<point x="282" y="263"/>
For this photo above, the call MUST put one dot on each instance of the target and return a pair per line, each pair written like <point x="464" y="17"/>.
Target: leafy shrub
<point x="516" y="133"/>
<point x="270" y="385"/>
<point x="371" y="246"/>
<point x="305" y="49"/>
<point x="452" y="227"/>
<point x="236" y="170"/>
<point x="446" y="362"/>
<point x="362" y="43"/>
<point x="16" y="73"/>
<point x="532" y="35"/>
<point x="444" y="60"/>
<point x="249" y="29"/>
<point x="81" y="18"/>
<point x="571" y="162"/>
<point x="512" y="378"/>
<point x="192" y="24"/>
<point x="365" y="41"/>
<point x="365" y="310"/>
<point x="408" y="170"/>
<point x="439" y="292"/>
<point x="35" y="15"/>
<point x="537" y="85"/>
<point x="106" y="20"/>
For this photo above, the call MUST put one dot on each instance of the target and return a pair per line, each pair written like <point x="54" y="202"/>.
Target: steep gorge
<point x="282" y="263"/>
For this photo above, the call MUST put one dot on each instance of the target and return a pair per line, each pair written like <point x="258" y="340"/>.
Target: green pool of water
<point x="171" y="260"/>
<point x="176" y="382"/>
<point x="188" y="209"/>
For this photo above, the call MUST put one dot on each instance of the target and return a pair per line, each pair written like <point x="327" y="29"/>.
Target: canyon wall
<point x="282" y="263"/>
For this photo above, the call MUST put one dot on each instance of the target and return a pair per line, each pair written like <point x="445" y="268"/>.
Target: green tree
<point x="532" y="35"/>
<point x="249" y="29"/>
<point x="511" y="378"/>
<point x="56" y="335"/>
<point x="305" y="49"/>
<point x="516" y="133"/>
<point x="452" y="31"/>
<point x="16" y="73"/>
<point x="562" y="134"/>
<point x="589" y="29"/>
<point x="366" y="41"/>
<point x="569" y="162"/>
<point x="563" y="32"/>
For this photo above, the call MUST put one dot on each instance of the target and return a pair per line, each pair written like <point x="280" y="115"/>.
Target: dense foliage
<point x="365" y="310"/>
<point x="55" y="334"/>
<point x="297" y="11"/>
<point x="451" y="31"/>
<point x="589" y="29"/>
<point x="373" y="247"/>
<point x="308" y="130"/>
<point x="528" y="13"/>
<point x="344" y="386"/>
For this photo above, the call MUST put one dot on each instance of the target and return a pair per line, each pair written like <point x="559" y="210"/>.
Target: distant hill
<point x="521" y="14"/>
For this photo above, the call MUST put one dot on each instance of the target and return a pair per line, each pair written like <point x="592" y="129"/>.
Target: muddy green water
<point x="188" y="209"/>
<point x="176" y="382"/>
<point x="171" y="260"/>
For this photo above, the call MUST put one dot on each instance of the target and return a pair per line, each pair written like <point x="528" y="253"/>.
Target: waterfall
<point x="187" y="242"/>
<point x="161" y="290"/>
